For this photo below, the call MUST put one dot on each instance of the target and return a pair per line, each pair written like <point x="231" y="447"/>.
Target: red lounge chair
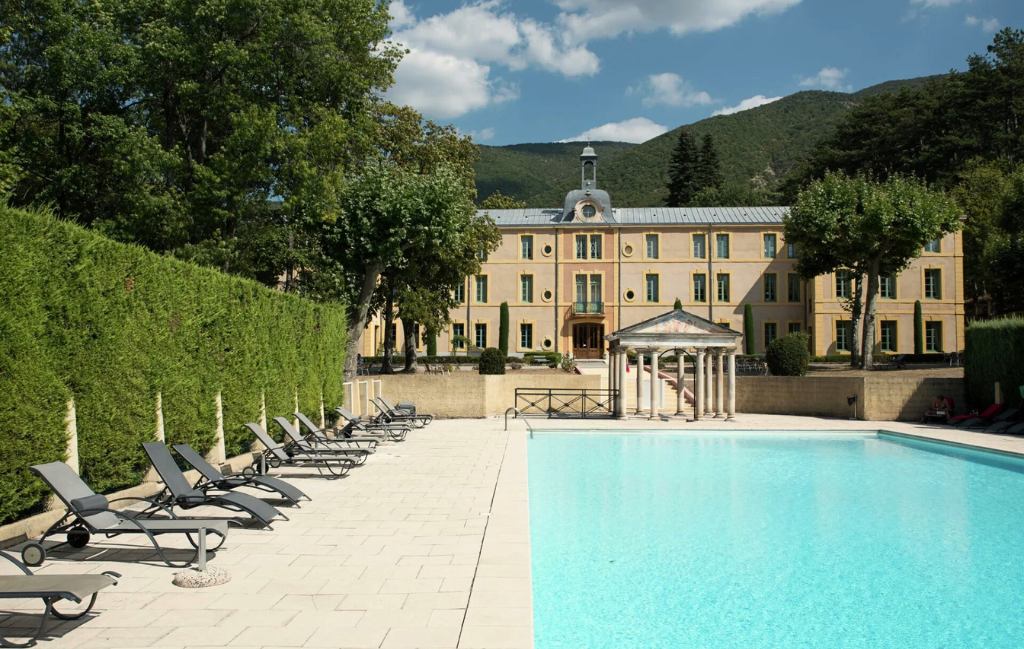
<point x="989" y="413"/>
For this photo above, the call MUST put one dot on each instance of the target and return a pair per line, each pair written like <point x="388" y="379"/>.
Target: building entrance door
<point x="588" y="340"/>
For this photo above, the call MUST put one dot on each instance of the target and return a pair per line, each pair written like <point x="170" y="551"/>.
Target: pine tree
<point x="682" y="174"/>
<point x="709" y="167"/>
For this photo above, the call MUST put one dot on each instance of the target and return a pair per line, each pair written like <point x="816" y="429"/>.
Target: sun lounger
<point x="988" y="413"/>
<point x="276" y="455"/>
<point x="406" y="407"/>
<point x="51" y="589"/>
<point x="357" y="455"/>
<point x="214" y="479"/>
<point x="982" y="422"/>
<point x="367" y="443"/>
<point x="389" y="414"/>
<point x="1016" y="429"/>
<point x="394" y="432"/>
<point x="89" y="513"/>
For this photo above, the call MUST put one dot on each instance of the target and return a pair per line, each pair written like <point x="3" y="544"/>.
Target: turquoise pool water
<point x="731" y="541"/>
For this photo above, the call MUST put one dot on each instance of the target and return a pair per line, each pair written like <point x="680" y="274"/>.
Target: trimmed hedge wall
<point x="995" y="352"/>
<point x="111" y="325"/>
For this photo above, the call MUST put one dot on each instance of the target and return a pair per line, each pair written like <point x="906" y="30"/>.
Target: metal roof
<point x="533" y="217"/>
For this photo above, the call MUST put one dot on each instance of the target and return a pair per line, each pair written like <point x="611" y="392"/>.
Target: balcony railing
<point x="588" y="308"/>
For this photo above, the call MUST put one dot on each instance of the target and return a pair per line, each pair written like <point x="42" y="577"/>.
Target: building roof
<point x="677" y="328"/>
<point x="534" y="217"/>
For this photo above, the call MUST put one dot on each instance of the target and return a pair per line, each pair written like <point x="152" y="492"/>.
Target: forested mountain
<point x="777" y="135"/>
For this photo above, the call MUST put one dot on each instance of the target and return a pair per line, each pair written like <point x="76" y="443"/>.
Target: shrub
<point x="994" y="352"/>
<point x="516" y="365"/>
<point x="492" y="361"/>
<point x="568" y="363"/>
<point x="788" y="356"/>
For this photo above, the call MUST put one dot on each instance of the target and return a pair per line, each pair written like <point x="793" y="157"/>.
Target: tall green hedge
<point x="995" y="352"/>
<point x="111" y="325"/>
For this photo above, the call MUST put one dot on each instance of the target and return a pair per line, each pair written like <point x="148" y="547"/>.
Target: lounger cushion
<point x="73" y="587"/>
<point x="93" y="502"/>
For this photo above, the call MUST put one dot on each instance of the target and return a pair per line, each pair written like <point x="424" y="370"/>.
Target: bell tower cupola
<point x="588" y="164"/>
<point x="588" y="203"/>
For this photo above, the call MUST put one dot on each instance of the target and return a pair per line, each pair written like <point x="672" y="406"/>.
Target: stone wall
<point x="880" y="397"/>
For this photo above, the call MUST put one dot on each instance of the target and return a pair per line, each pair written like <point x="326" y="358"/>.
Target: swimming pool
<point x="729" y="541"/>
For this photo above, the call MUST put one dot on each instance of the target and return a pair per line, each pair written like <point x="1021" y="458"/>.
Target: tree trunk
<point x="857" y="310"/>
<point x="869" y="314"/>
<point x="409" y="330"/>
<point x="358" y="318"/>
<point x="387" y="366"/>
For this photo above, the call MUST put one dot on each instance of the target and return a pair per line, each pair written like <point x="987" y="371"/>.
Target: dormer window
<point x="589" y="211"/>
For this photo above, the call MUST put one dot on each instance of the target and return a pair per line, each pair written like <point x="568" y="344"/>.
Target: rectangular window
<point x="844" y="335"/>
<point x="526" y="243"/>
<point x="526" y="336"/>
<point x="770" y="246"/>
<point x="458" y="332"/>
<point x="595" y="246"/>
<point x="653" y="294"/>
<point x="935" y="245"/>
<point x="844" y="285"/>
<point x="933" y="336"/>
<point x="933" y="284"/>
<point x="700" y="287"/>
<point x="794" y="328"/>
<point x="595" y="289"/>
<point x="526" y="289"/>
<point x="700" y="246"/>
<point x="791" y="250"/>
<point x="480" y="335"/>
<point x="723" y="287"/>
<point x="481" y="289"/>
<point x="581" y="288"/>
<point x="459" y="294"/>
<point x="887" y="288"/>
<point x="581" y="246"/>
<point x="771" y="287"/>
<point x="652" y="246"/>
<point x="888" y="335"/>
<point x="722" y="241"/>
<point x="482" y="255"/>
<point x="771" y="332"/>
<point x="793" y="288"/>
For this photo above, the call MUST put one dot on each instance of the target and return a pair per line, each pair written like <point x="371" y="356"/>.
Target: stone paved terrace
<point x="425" y="546"/>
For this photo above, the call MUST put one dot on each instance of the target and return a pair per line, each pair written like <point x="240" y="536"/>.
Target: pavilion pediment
<point x="676" y="329"/>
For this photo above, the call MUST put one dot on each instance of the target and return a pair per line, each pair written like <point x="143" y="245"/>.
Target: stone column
<point x="655" y="383"/>
<point x="698" y="386"/>
<point x="620" y="368"/>
<point x="639" y="382"/>
<point x="680" y="384"/>
<point x="709" y="384"/>
<point x="611" y="371"/>
<point x="720" y="388"/>
<point x="731" y="408"/>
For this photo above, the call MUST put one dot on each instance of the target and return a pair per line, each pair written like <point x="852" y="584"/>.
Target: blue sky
<point x="550" y="70"/>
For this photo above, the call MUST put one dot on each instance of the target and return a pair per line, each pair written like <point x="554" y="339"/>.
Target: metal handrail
<point x="565" y="402"/>
<point x="588" y="308"/>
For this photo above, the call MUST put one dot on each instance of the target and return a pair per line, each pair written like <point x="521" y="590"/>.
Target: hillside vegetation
<point x="777" y="135"/>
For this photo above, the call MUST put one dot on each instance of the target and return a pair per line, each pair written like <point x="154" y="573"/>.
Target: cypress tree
<point x="748" y="330"/>
<point x="678" y="306"/>
<point x="431" y="343"/>
<point x="709" y="168"/>
<point x="682" y="173"/>
<point x="918" y="329"/>
<point x="503" y="330"/>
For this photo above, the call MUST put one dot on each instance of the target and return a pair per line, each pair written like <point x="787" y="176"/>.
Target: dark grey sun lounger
<point x="51" y="589"/>
<point x="318" y="434"/>
<point x="89" y="513"/>
<point x="276" y="455"/>
<point x="391" y="415"/>
<point x="394" y="432"/>
<point x="357" y="455"/>
<point x="178" y="492"/>
<point x="214" y="479"/>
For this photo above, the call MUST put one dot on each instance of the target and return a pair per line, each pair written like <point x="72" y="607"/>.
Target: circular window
<point x="546" y="295"/>
<point x="547" y="249"/>
<point x="589" y="211"/>
<point x="547" y="343"/>
<point x="627" y="250"/>
<point x="630" y="295"/>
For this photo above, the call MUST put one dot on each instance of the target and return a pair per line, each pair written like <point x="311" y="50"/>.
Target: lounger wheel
<point x="33" y="554"/>
<point x="248" y="473"/>
<point x="274" y="463"/>
<point x="78" y="537"/>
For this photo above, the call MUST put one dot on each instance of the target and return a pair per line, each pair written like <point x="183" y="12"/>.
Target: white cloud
<point x="935" y="3"/>
<point x="669" y="89"/>
<point x="483" y="135"/>
<point x="747" y="104"/>
<point x="401" y="16"/>
<point x="636" y="130"/>
<point x="446" y="86"/>
<point x="989" y="25"/>
<point x="586" y="20"/>
<point x="829" y="79"/>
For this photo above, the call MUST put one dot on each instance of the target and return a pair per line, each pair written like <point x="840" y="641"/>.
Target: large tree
<point x="682" y="173"/>
<point x="709" y="167"/>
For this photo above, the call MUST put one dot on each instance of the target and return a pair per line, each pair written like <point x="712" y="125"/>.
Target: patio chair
<point x="897" y="362"/>
<point x="89" y="513"/>
<point x="390" y="415"/>
<point x="276" y="455"/>
<point x="212" y="478"/>
<point x="178" y="492"/>
<point x="51" y="589"/>
<point x="396" y="433"/>
<point x="366" y="443"/>
<point x="357" y="455"/>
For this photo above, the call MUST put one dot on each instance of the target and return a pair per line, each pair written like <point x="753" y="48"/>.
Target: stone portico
<point x="680" y="332"/>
